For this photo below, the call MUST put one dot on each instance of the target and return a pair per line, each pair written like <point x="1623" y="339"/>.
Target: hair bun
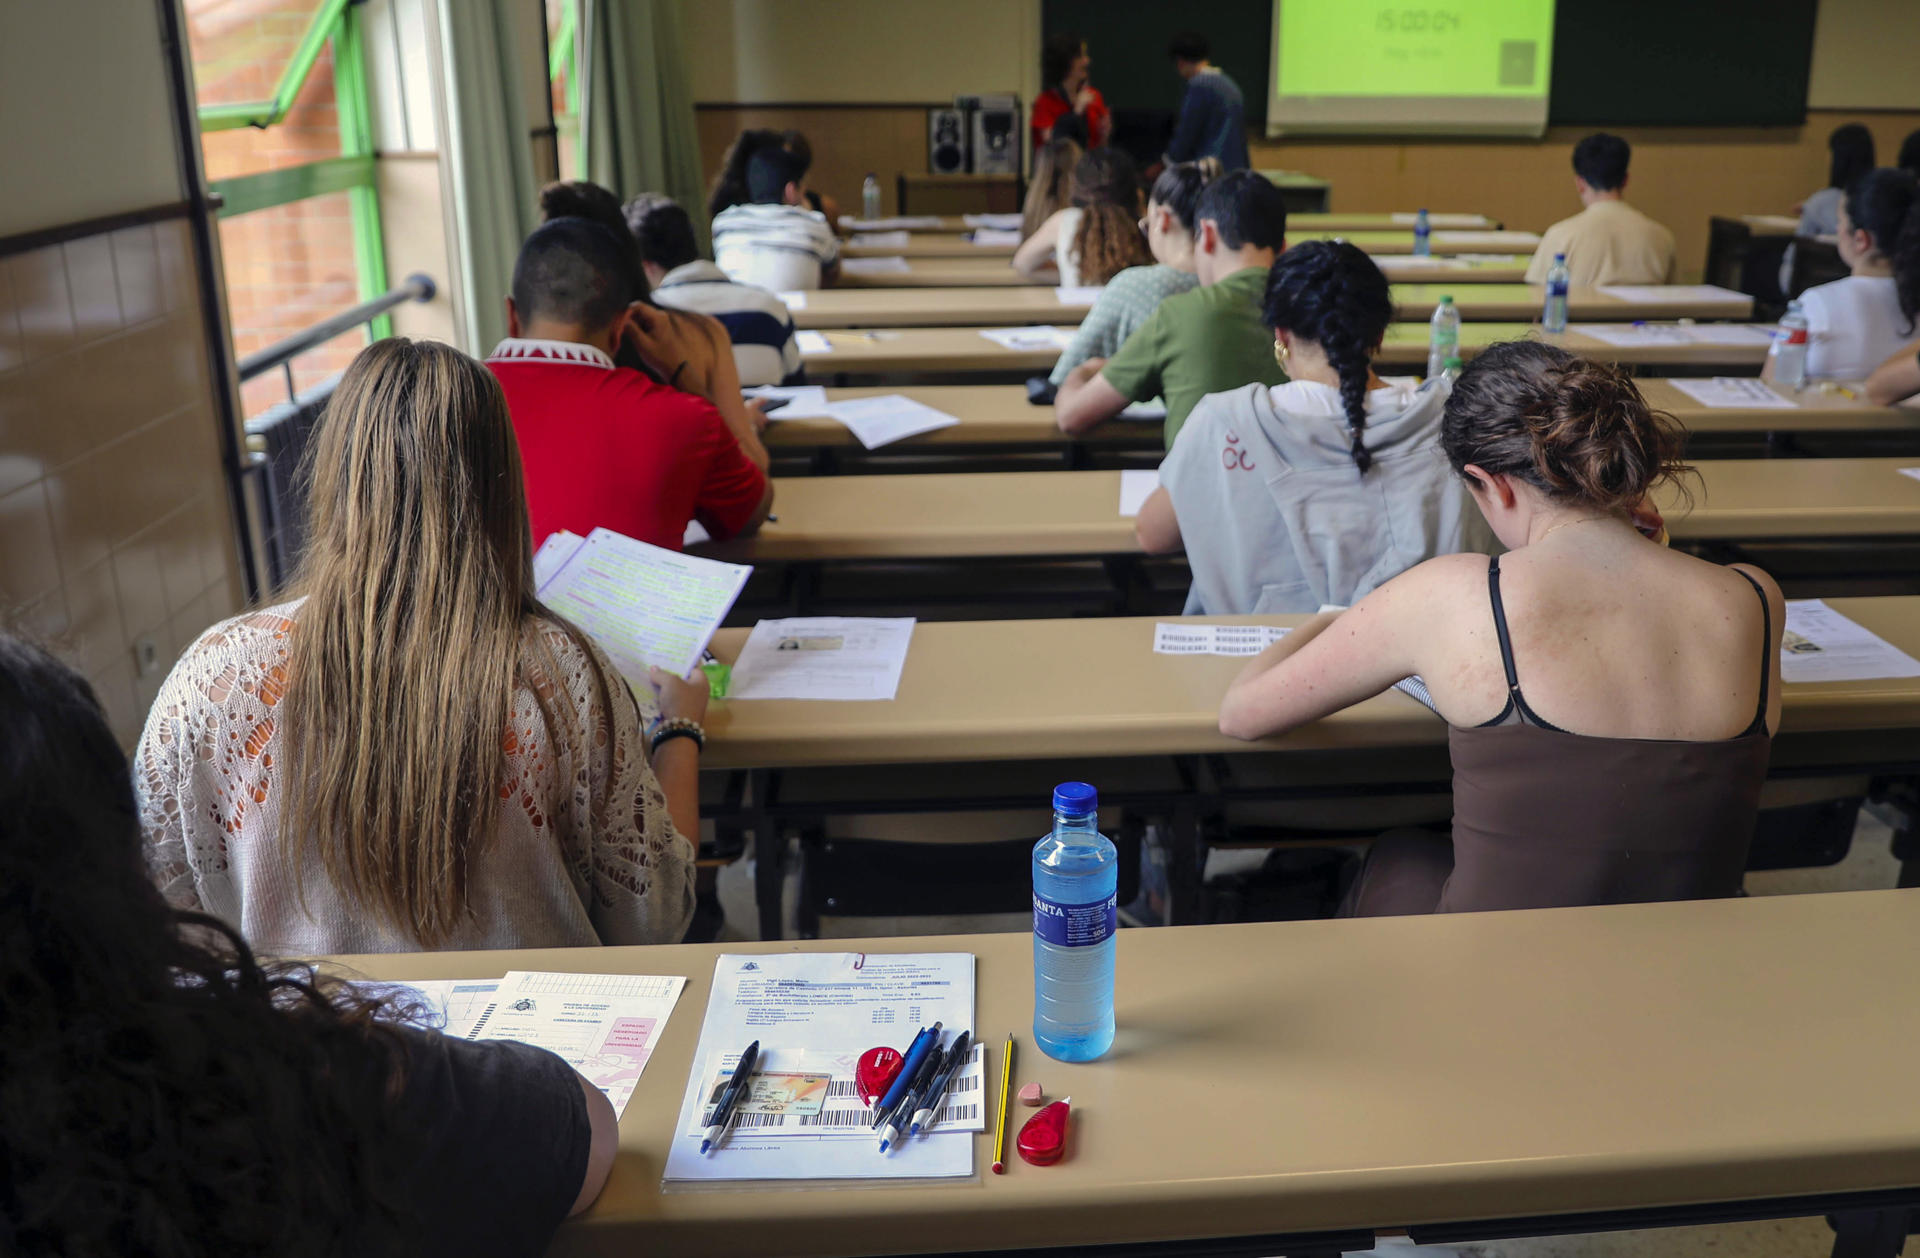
<point x="1594" y="436"/>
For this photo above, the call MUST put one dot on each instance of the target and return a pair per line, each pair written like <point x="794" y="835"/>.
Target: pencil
<point x="1006" y="1099"/>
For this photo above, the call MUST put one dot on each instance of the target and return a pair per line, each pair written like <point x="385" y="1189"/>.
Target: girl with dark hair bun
<point x="1855" y="322"/>
<point x="1316" y="490"/>
<point x="1611" y="702"/>
<point x="1898" y="378"/>
<point x="1098" y="235"/>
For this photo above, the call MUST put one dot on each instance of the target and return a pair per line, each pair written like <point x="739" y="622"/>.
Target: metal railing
<point x="416" y="287"/>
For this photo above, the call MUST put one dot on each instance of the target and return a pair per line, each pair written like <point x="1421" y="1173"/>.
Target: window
<point x="286" y="135"/>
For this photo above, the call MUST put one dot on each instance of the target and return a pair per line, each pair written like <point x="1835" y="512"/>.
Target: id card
<point x="798" y="1094"/>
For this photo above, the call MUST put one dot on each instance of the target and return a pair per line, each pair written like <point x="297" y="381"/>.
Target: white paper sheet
<point x="804" y="401"/>
<point x="553" y="555"/>
<point x="1822" y="645"/>
<point x="793" y="299"/>
<point x="1911" y="471"/>
<point x="1438" y="222"/>
<point x="813" y="342"/>
<point x="882" y="240"/>
<point x="1676" y="294"/>
<point x="1390" y="263"/>
<point x="1171" y="638"/>
<point x="603" y="1025"/>
<point x="822" y="657"/>
<point x="696" y="534"/>
<point x="996" y="236"/>
<point x="644" y="605"/>
<point x="922" y="222"/>
<point x="843" y="1113"/>
<point x="1459" y="239"/>
<point x="1734" y="392"/>
<point x="1648" y="334"/>
<point x="1136" y="486"/>
<point x="893" y="264"/>
<point x="1037" y="336"/>
<point x="995" y="222"/>
<point x="834" y="1003"/>
<point x="890" y="417"/>
<point x="1077" y="294"/>
<point x="1154" y="409"/>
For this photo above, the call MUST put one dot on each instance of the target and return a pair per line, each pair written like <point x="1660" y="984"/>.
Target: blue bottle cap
<point x="1075" y="799"/>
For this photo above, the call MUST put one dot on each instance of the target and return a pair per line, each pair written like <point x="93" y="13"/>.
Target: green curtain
<point x="636" y="105"/>
<point x="495" y="190"/>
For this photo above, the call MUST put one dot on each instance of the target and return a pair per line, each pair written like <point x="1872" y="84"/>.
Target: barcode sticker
<point x="842" y="1112"/>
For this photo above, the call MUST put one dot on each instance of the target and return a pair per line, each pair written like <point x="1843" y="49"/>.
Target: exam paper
<point x="603" y="1025"/>
<point x="996" y="236"/>
<point x="1077" y="294"/>
<point x="1677" y="294"/>
<point x="893" y="264"/>
<point x="813" y="342"/>
<point x="448" y="1005"/>
<point x="804" y="401"/>
<point x="1628" y="334"/>
<point x="1442" y="239"/>
<point x="822" y="657"/>
<point x="923" y="222"/>
<point x="1152" y="409"/>
<point x="1171" y="638"/>
<point x="1037" y="336"/>
<point x="890" y="417"/>
<point x="643" y="604"/>
<point x="995" y="222"/>
<point x="1733" y="392"/>
<point x="1135" y="488"/>
<point x="1822" y="645"/>
<point x="793" y="299"/>
<point x="1390" y="263"/>
<point x="833" y="1003"/>
<point x="883" y="240"/>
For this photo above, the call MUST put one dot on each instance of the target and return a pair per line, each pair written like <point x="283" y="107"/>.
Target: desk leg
<point x="1869" y="1233"/>
<point x="1186" y="865"/>
<point x="769" y="856"/>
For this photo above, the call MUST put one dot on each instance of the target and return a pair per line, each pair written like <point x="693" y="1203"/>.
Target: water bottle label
<point x="1556" y="288"/>
<point x="1075" y="925"/>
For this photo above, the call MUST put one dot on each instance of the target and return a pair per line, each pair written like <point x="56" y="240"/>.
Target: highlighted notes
<point x="644" y="605"/>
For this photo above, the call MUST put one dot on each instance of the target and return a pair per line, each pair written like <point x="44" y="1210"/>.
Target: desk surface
<point x="1005" y="514"/>
<point x="923" y="244"/>
<point x="1465" y="1066"/>
<point x="1013" y="689"/>
<point x="1444" y="243"/>
<point x="964" y="349"/>
<point x="1016" y="306"/>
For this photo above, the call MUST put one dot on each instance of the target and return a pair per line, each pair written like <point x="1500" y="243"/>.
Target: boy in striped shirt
<point x="773" y="241"/>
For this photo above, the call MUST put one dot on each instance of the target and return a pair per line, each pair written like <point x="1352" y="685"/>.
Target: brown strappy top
<point x="1545" y="817"/>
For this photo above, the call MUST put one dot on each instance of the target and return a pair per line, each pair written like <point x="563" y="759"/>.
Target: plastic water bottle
<point x="1452" y="368"/>
<point x="1422" y="235"/>
<point x="1076" y="876"/>
<point x="1443" y="342"/>
<point x="1789" y="348"/>
<point x="1553" y="316"/>
<point x="870" y="197"/>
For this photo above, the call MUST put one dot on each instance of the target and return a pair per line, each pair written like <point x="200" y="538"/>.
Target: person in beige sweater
<point x="1609" y="242"/>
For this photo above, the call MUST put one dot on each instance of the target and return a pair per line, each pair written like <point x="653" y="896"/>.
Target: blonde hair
<point x="418" y="574"/>
<point x="1047" y="190"/>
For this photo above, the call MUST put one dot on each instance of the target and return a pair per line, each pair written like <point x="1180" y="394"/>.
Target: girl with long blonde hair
<point x="412" y="752"/>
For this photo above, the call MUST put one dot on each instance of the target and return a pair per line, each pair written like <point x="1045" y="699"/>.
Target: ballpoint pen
<point x="923" y="1043"/>
<point x="895" y="1126"/>
<point x="723" y="1109"/>
<point x="923" y="1116"/>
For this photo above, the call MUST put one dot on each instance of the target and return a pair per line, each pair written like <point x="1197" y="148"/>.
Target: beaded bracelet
<point x="666" y="729"/>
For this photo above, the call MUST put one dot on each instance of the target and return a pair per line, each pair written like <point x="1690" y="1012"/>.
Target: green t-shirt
<point x="1206" y="341"/>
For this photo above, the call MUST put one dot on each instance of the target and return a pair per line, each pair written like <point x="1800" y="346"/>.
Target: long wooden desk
<point x="1018" y="306"/>
<point x="1652" y="1064"/>
<point x="921" y="245"/>
<point x="967" y="272"/>
<point x="939" y="350"/>
<point x="1444" y="243"/>
<point x="954" y="224"/>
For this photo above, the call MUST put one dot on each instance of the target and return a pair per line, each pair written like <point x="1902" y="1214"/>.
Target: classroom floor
<point x="1868" y="866"/>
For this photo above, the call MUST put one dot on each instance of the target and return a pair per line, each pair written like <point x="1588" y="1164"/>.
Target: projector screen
<point x="1472" y="67"/>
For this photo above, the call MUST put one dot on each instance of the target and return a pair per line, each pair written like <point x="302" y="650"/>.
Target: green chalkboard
<point x="1128" y="42"/>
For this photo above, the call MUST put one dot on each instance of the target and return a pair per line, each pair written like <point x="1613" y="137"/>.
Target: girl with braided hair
<point x="1290" y="497"/>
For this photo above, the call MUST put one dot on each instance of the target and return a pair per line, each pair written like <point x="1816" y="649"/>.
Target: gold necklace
<point x="1566" y="524"/>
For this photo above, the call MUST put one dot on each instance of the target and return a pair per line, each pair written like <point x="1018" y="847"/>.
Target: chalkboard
<point x="1615" y="62"/>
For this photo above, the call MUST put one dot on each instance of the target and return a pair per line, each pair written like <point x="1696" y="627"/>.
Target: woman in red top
<point x="1063" y="68"/>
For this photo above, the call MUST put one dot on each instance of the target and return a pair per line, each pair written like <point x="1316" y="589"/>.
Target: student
<point x="1205" y="341"/>
<point x="1609" y="242"/>
<point x="730" y="182"/>
<point x="1132" y="295"/>
<point x="1850" y="155"/>
<point x="1098" y="236"/>
<point x="1315" y="491"/>
<point x="1855" y="322"/>
<point x="1063" y="68"/>
<point x="1213" y="118"/>
<point x="819" y="202"/>
<point x="167" y="1092"/>
<point x="411" y="753"/>
<point x="604" y="446"/>
<point x="1899" y="377"/>
<point x="758" y="325"/>
<point x="773" y="241"/>
<point x="1051" y="188"/>
<point x="1611" y="702"/>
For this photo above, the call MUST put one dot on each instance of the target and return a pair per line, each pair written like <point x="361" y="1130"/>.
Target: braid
<point x="1332" y="294"/>
<point x="1349" y="358"/>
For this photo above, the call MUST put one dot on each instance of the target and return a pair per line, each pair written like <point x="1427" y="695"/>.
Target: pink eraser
<point x="1031" y="1094"/>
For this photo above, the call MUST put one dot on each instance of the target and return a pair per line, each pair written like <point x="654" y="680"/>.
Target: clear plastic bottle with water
<point x="1789" y="348"/>
<point x="1443" y="341"/>
<point x="1452" y="369"/>
<point x="870" y="197"/>
<point x="1553" y="315"/>
<point x="1422" y="235"/>
<point x="1076" y="876"/>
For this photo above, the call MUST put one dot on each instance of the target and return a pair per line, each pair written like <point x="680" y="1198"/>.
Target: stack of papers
<point x="1734" y="393"/>
<point x="822" y="657"/>
<point x="1135" y="488"/>
<point x="1675" y="294"/>
<point x="923" y="222"/>
<point x="1186" y="639"/>
<point x="1649" y="334"/>
<point x="645" y="606"/>
<point x="996" y="236"/>
<point x="883" y="240"/>
<point x="814" y="1014"/>
<point x="1822" y="645"/>
<point x="1077" y="294"/>
<point x="996" y="222"/>
<point x="893" y="264"/>
<point x="603" y="1025"/>
<point x="1038" y="336"/>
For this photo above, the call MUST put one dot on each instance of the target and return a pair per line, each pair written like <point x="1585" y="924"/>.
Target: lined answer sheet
<point x="645" y="606"/>
<point x="603" y="1025"/>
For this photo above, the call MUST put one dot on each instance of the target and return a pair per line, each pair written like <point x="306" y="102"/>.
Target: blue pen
<point x="929" y="1101"/>
<point x="917" y="1052"/>
<point x="896" y="1125"/>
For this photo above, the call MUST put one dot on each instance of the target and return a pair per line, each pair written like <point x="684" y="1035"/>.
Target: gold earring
<point x="1280" y="353"/>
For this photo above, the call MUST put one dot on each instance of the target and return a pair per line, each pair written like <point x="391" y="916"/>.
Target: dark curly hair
<point x="1331" y="293"/>
<point x="1575" y="429"/>
<point x="161" y="1091"/>
<point x="1106" y="187"/>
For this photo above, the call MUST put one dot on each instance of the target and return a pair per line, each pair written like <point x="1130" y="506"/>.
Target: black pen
<point x="723" y="1109"/>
